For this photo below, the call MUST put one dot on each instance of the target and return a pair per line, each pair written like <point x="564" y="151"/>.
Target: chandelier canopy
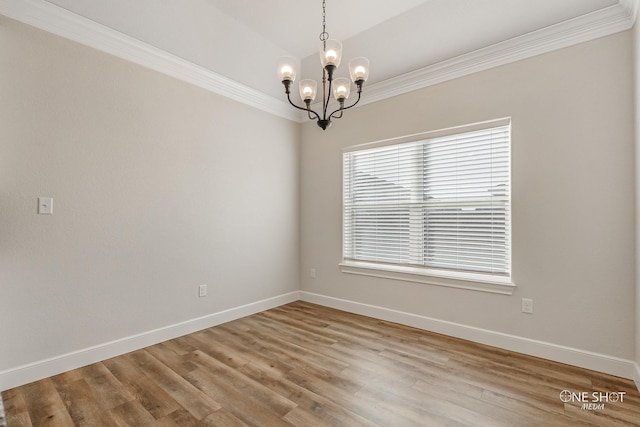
<point x="330" y="56"/>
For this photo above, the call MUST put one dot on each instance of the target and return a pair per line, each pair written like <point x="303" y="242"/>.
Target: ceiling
<point x="242" y="39"/>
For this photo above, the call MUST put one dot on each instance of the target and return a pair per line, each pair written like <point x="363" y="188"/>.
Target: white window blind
<point x="438" y="203"/>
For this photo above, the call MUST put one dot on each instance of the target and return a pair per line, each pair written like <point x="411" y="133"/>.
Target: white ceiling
<point x="242" y="39"/>
<point x="296" y="24"/>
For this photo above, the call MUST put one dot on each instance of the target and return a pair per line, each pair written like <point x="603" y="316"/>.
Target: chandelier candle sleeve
<point x="330" y="57"/>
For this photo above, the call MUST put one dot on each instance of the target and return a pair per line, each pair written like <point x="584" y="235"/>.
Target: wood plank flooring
<point x="307" y="365"/>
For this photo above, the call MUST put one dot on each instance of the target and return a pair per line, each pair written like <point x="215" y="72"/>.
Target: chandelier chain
<point x="324" y="35"/>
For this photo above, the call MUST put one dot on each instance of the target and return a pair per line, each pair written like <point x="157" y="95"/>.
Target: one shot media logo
<point x="594" y="400"/>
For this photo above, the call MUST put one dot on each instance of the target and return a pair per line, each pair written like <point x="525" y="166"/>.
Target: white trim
<point x="416" y="137"/>
<point x="572" y="356"/>
<point x="636" y="375"/>
<point x="584" y="28"/>
<point x="632" y="6"/>
<point x="473" y="282"/>
<point x="45" y="368"/>
<point x="59" y="21"/>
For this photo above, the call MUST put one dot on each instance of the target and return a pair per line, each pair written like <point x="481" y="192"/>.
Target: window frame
<point x="486" y="282"/>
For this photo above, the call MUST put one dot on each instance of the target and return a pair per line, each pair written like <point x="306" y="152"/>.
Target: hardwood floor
<point x="307" y="365"/>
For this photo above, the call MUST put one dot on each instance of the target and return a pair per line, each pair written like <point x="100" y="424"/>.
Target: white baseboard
<point x="571" y="356"/>
<point x="585" y="359"/>
<point x="45" y="368"/>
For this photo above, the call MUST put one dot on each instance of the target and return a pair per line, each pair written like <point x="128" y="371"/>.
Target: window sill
<point x="469" y="281"/>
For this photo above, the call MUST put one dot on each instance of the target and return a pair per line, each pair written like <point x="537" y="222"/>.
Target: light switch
<point x="45" y="205"/>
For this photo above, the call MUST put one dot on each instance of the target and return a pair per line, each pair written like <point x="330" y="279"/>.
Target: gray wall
<point x="573" y="192"/>
<point x="158" y="187"/>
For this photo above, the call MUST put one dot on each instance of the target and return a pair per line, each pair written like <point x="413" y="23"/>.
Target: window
<point x="438" y="204"/>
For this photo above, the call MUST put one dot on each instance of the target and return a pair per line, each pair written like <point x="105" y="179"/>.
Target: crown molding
<point x="59" y="21"/>
<point x="604" y="22"/>
<point x="632" y="6"/>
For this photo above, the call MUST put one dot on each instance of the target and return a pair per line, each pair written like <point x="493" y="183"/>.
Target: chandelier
<point x="330" y="56"/>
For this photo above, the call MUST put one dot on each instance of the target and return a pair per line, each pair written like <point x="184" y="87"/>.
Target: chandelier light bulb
<point x="341" y="89"/>
<point x="286" y="71"/>
<point x="331" y="56"/>
<point x="308" y="89"/>
<point x="359" y="69"/>
<point x="287" y="68"/>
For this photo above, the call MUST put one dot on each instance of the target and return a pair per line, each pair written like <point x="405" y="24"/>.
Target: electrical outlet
<point x="527" y="305"/>
<point x="313" y="273"/>
<point x="202" y="291"/>
<point x="45" y="206"/>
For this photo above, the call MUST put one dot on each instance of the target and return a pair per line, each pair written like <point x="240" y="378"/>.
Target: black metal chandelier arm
<point x="354" y="104"/>
<point x="308" y="110"/>
<point x="341" y="109"/>
<point x="333" y="116"/>
<point x="317" y="116"/>
<point x="291" y="102"/>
